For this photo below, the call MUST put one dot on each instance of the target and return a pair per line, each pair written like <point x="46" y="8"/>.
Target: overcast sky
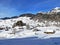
<point x="10" y="8"/>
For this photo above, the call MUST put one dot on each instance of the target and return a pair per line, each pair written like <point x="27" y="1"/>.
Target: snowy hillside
<point x="31" y="29"/>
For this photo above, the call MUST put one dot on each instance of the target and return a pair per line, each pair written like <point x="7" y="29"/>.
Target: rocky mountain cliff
<point x="52" y="15"/>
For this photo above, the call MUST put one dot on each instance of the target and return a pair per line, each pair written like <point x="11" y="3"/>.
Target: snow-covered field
<point x="31" y="32"/>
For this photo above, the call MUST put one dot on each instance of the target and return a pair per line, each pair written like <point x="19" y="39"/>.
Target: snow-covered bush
<point x="36" y="29"/>
<point x="18" y="23"/>
<point x="27" y="26"/>
<point x="1" y="28"/>
<point x="14" y="31"/>
<point x="7" y="28"/>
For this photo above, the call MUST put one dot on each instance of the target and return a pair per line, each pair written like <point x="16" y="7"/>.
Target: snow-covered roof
<point x="49" y="30"/>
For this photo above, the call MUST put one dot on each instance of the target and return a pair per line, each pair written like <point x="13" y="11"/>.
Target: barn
<point x="49" y="31"/>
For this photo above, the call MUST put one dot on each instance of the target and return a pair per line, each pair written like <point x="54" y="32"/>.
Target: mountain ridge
<point x="53" y="15"/>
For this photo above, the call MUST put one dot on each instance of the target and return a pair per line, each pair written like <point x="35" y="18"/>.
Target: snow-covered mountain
<point x="55" y="10"/>
<point x="24" y="26"/>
